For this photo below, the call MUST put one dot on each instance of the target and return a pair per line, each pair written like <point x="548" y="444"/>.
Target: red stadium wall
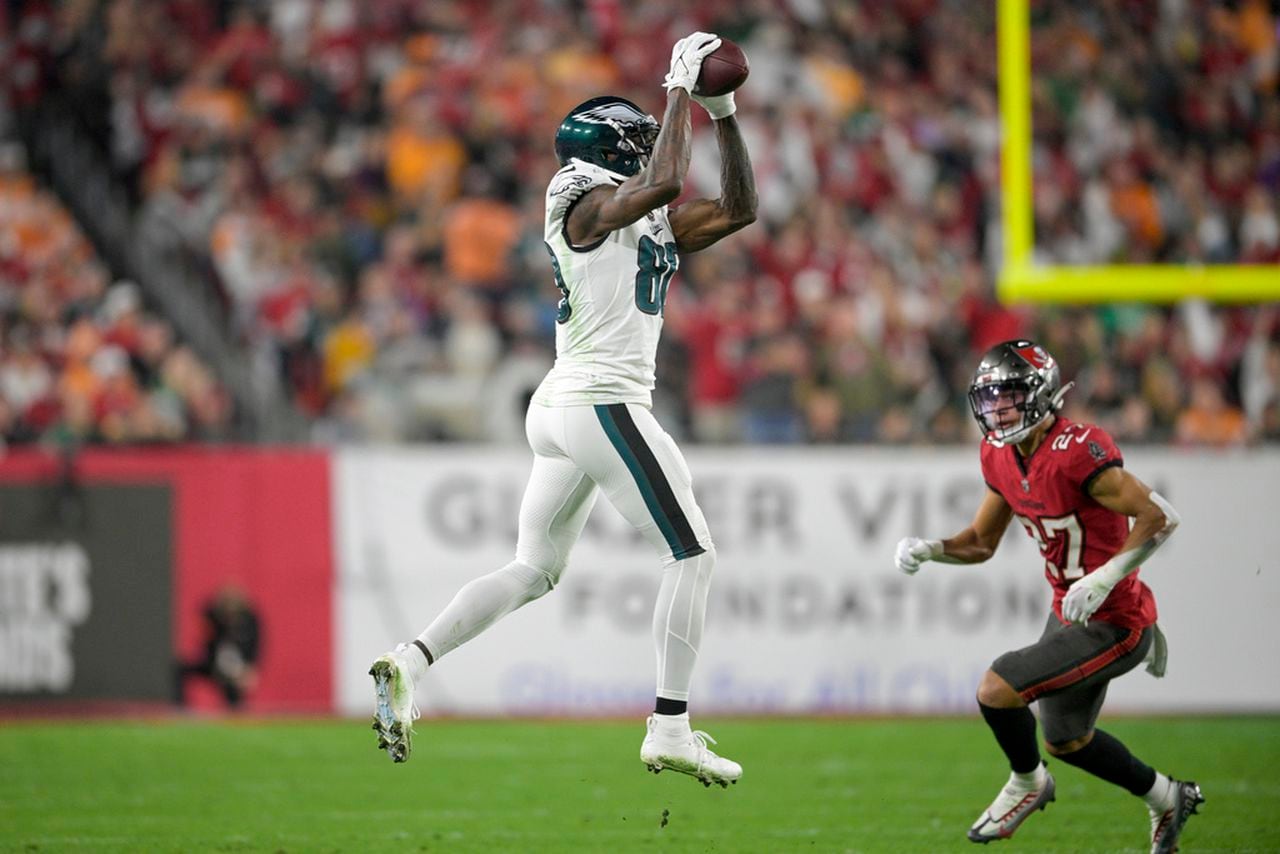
<point x="256" y="518"/>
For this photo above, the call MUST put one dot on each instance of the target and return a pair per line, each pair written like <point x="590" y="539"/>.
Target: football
<point x="723" y="70"/>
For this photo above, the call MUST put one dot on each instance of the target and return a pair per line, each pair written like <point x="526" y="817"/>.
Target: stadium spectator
<point x="82" y="360"/>
<point x="296" y="146"/>
<point x="1208" y="419"/>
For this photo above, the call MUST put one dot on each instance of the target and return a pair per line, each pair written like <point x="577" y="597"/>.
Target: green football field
<point x="808" y="785"/>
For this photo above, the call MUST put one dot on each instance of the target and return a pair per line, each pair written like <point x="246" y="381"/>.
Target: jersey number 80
<point x="658" y="263"/>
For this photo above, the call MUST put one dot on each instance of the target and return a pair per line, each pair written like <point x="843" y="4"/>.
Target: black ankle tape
<point x="670" y="707"/>
<point x="422" y="646"/>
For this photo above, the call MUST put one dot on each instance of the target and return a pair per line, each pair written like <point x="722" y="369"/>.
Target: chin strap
<point x="1056" y="402"/>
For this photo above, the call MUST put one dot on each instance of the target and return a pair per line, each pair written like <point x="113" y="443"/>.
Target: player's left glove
<point x="686" y="60"/>
<point x="1087" y="595"/>
<point x="1084" y="597"/>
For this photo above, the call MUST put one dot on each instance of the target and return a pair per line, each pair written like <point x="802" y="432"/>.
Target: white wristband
<point x="1114" y="571"/>
<point x="717" y="106"/>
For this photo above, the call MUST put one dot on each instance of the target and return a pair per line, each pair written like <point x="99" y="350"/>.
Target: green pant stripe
<point x="641" y="478"/>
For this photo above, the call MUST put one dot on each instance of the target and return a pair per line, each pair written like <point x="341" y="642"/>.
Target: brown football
<point x="723" y="70"/>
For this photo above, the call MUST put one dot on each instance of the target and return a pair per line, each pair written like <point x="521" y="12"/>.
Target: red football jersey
<point x="1049" y="494"/>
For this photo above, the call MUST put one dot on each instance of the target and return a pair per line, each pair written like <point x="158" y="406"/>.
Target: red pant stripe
<point x="1082" y="671"/>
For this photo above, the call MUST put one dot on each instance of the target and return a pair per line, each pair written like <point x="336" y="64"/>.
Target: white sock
<point x="671" y="725"/>
<point x="1031" y="780"/>
<point x="413" y="657"/>
<point x="1161" y="795"/>
<point x="481" y="603"/>
<point x="678" y="616"/>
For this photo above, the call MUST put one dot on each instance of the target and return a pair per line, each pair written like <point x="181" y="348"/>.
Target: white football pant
<point x="621" y="450"/>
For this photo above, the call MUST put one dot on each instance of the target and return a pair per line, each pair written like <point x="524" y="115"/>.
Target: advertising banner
<point x="163" y="530"/>
<point x="807" y="612"/>
<point x="84" y="592"/>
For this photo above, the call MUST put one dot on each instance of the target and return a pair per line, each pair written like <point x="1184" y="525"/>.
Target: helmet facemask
<point x="1005" y="411"/>
<point x="633" y="149"/>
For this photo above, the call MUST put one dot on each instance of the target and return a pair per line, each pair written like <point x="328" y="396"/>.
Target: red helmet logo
<point x="1035" y="356"/>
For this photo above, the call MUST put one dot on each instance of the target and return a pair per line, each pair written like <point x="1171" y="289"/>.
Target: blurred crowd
<point x="367" y="179"/>
<point x="81" y="359"/>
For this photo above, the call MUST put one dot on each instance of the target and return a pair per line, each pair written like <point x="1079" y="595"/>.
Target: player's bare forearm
<point x="737" y="182"/>
<point x="965" y="547"/>
<point x="699" y="224"/>
<point x="978" y="542"/>
<point x="669" y="164"/>
<point x="1154" y="519"/>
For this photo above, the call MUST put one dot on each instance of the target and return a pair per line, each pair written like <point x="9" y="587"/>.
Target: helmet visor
<point x="1000" y="407"/>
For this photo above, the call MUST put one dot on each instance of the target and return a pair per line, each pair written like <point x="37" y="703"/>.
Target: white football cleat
<point x="1010" y="809"/>
<point x="394" y="710"/>
<point x="1167" y="824"/>
<point x="670" y="744"/>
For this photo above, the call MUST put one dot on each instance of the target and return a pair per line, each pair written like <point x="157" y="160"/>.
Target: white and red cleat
<point x="1011" y="808"/>
<point x="1167" y="824"/>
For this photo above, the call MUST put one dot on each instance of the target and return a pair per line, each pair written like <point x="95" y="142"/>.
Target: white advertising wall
<point x="807" y="613"/>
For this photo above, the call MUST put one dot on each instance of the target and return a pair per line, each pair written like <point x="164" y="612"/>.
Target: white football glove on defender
<point x="686" y="60"/>
<point x="913" y="551"/>
<point x="1086" y="595"/>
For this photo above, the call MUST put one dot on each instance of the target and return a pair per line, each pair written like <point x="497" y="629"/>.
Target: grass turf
<point x="911" y="785"/>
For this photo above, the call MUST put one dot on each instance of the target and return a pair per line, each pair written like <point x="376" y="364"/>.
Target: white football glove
<point x="717" y="106"/>
<point x="686" y="60"/>
<point x="1085" y="596"/>
<point x="913" y="551"/>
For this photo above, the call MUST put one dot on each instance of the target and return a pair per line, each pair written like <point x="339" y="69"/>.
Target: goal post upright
<point x="1020" y="278"/>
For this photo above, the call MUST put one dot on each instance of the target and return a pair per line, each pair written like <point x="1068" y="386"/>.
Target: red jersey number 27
<point x="1045" y="532"/>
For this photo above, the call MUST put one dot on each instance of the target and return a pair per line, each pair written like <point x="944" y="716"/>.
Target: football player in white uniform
<point x="615" y="245"/>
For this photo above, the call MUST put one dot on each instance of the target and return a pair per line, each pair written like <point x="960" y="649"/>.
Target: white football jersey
<point x="612" y="293"/>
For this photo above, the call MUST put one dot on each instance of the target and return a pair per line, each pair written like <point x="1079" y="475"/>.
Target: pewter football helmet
<point x="1017" y="375"/>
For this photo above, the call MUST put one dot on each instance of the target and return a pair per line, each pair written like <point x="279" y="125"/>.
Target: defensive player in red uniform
<point x="1065" y="482"/>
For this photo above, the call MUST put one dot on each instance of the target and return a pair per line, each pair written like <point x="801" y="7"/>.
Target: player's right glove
<point x="686" y="60"/>
<point x="913" y="551"/>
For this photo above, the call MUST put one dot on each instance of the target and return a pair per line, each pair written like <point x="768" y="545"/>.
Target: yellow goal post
<point x="1020" y="278"/>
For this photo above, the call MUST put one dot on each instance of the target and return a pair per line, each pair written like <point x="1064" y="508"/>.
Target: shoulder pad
<point x="576" y="178"/>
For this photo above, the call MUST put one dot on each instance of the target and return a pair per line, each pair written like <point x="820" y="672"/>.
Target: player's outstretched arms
<point x="702" y="222"/>
<point x="1154" y="520"/>
<point x="660" y="182"/>
<point x="975" y="544"/>
<point x="605" y="209"/>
